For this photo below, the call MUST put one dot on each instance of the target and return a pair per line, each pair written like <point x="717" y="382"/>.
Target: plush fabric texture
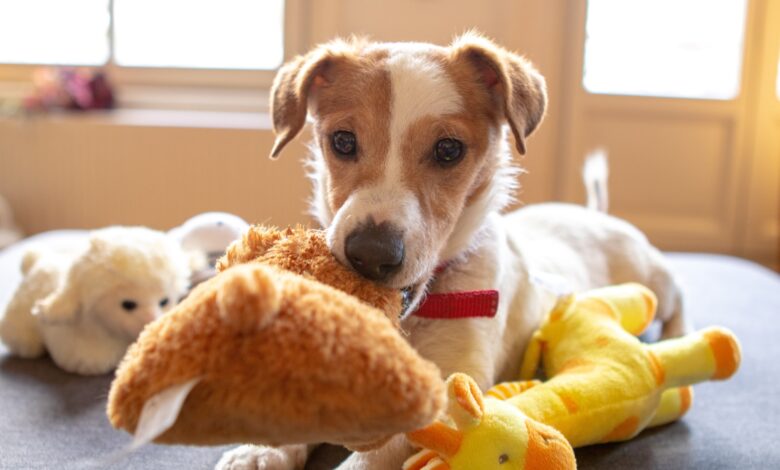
<point x="69" y="302"/>
<point x="603" y="385"/>
<point x="488" y="434"/>
<point x="282" y="357"/>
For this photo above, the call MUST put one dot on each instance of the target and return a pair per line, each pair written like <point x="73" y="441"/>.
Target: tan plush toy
<point x="284" y="345"/>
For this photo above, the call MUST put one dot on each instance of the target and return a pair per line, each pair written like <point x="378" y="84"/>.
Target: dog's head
<point x="409" y="144"/>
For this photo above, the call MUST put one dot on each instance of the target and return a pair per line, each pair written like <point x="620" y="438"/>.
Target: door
<point x="682" y="95"/>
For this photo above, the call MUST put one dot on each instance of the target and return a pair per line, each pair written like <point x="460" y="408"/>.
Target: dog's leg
<point x="251" y="457"/>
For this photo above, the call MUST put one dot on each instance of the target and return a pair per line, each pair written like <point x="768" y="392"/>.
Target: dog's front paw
<point x="250" y="457"/>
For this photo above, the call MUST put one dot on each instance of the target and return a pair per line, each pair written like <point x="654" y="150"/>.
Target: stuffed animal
<point x="487" y="434"/>
<point x="87" y="304"/>
<point x="603" y="385"/>
<point x="205" y="237"/>
<point x="284" y="345"/>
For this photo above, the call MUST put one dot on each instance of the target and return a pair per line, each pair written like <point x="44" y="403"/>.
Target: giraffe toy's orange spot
<point x="657" y="368"/>
<point x="726" y="351"/>
<point x="547" y="449"/>
<point x="506" y="390"/>
<point x="600" y="307"/>
<point x="651" y="303"/>
<point x="556" y="314"/>
<point x="568" y="402"/>
<point x="603" y="341"/>
<point x="577" y="365"/>
<point x="686" y="398"/>
<point x="438" y="437"/>
<point x="625" y="430"/>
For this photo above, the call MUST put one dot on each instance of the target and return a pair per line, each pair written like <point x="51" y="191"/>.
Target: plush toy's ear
<point x="439" y="438"/>
<point x="62" y="306"/>
<point x="466" y="406"/>
<point x="296" y="81"/>
<point x="510" y="79"/>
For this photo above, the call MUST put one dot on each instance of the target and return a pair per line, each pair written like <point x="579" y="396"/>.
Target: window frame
<point x="183" y="88"/>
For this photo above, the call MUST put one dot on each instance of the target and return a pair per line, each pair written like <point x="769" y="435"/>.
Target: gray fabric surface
<point x="51" y="419"/>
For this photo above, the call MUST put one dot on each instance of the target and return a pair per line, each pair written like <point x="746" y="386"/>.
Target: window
<point x="216" y="34"/>
<point x="222" y="34"/>
<point x="54" y="32"/>
<point x="668" y="48"/>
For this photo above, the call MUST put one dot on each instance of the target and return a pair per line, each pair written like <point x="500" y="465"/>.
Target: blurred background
<point x="683" y="94"/>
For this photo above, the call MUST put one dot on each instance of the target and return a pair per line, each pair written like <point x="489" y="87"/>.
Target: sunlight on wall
<point x="672" y="48"/>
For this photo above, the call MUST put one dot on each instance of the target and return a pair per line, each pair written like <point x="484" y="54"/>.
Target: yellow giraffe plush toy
<point x="604" y="385"/>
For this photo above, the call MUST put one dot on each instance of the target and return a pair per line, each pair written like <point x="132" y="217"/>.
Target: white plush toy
<point x="205" y="238"/>
<point x="85" y="306"/>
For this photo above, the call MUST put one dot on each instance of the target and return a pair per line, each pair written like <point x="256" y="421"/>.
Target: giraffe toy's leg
<point x="675" y="402"/>
<point x="507" y="390"/>
<point x="709" y="354"/>
<point x="634" y="304"/>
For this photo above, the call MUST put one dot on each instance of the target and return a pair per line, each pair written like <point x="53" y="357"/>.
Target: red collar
<point x="455" y="305"/>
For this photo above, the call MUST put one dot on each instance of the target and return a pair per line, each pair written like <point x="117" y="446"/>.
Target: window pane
<point x="54" y="31"/>
<point x="674" y="48"/>
<point x="228" y="34"/>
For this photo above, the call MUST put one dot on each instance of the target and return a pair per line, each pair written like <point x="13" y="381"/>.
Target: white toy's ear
<point x="62" y="306"/>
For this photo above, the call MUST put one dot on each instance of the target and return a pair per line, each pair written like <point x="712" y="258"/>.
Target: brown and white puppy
<point x="411" y="169"/>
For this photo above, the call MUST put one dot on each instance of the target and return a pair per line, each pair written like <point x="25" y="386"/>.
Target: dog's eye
<point x="503" y="458"/>
<point x="129" y="305"/>
<point x="448" y="151"/>
<point x="344" y="143"/>
<point x="164" y="302"/>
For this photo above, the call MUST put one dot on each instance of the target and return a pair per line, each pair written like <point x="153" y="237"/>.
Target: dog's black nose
<point x="375" y="251"/>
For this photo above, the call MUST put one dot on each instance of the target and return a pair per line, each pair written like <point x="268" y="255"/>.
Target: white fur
<point x="498" y="195"/>
<point x="420" y="88"/>
<point x="595" y="175"/>
<point x="69" y="303"/>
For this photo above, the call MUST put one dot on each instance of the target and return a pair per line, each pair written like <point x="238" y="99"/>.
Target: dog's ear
<point x="298" y="80"/>
<point x="290" y="95"/>
<point x="512" y="82"/>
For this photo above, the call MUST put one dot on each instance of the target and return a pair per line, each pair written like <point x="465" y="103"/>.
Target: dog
<point x="412" y="169"/>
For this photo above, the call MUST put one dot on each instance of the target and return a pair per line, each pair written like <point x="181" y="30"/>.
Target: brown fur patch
<point x="358" y="100"/>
